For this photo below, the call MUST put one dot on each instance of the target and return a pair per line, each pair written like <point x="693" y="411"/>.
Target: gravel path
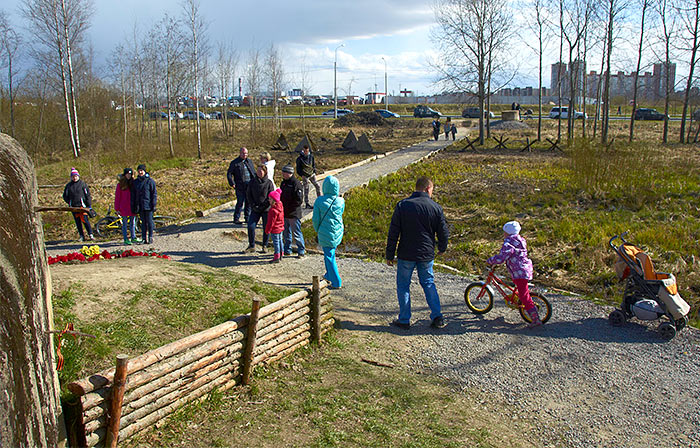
<point x="583" y="382"/>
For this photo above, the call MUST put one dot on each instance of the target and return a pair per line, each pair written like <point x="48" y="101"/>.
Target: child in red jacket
<point x="275" y="224"/>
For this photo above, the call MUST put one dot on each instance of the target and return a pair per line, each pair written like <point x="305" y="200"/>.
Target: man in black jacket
<point x="240" y="172"/>
<point x="306" y="169"/>
<point x="259" y="189"/>
<point x="416" y="222"/>
<point x="144" y="201"/>
<point x="292" y="196"/>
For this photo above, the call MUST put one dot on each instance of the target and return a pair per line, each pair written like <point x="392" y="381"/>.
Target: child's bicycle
<point x="479" y="297"/>
<point x="111" y="224"/>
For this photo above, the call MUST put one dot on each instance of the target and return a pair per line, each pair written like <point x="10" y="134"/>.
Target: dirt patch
<point x="104" y="284"/>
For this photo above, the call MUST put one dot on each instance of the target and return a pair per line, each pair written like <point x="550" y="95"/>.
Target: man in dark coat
<point x="436" y="128"/>
<point x="240" y="172"/>
<point x="292" y="196"/>
<point x="259" y="189"/>
<point x="306" y="169"/>
<point x="416" y="222"/>
<point x="77" y="194"/>
<point x="144" y="201"/>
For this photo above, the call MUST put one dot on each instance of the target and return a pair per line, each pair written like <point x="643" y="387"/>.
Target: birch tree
<point x="171" y="52"/>
<point x="254" y="82"/>
<point x="613" y="10"/>
<point x="196" y="27"/>
<point x="640" y="48"/>
<point x="275" y="76"/>
<point x="57" y="26"/>
<point x="667" y="36"/>
<point x="689" y="15"/>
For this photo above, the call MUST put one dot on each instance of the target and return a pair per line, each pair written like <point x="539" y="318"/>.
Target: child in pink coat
<point x="275" y="224"/>
<point x="514" y="254"/>
<point x="122" y="205"/>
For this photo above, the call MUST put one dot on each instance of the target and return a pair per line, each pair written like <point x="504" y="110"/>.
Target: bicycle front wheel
<point x="478" y="297"/>
<point x="108" y="224"/>
<point x="544" y="308"/>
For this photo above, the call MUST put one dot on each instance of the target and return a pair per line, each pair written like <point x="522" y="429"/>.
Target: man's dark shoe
<point x="401" y="325"/>
<point x="438" y="322"/>
<point x="250" y="249"/>
<point x="309" y="206"/>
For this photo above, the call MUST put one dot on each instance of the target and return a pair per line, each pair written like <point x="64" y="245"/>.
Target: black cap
<point x="288" y="169"/>
<point x="129" y="171"/>
<point x="141" y="167"/>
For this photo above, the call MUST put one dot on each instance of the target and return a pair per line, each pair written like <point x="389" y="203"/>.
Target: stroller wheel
<point x="617" y="318"/>
<point x="667" y="330"/>
<point x="681" y="323"/>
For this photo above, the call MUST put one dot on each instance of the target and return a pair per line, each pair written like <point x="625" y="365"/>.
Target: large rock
<point x="29" y="401"/>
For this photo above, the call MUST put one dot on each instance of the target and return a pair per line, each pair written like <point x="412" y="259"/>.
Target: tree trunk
<point x="636" y="74"/>
<point x="70" y="76"/>
<point x="29" y="404"/>
<point x="689" y="83"/>
<point x="606" y="95"/>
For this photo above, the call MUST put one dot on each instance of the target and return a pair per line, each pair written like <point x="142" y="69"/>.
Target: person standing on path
<point x="257" y="196"/>
<point x="448" y="128"/>
<point x="267" y="160"/>
<point x="436" y="128"/>
<point x="77" y="194"/>
<point x="275" y="224"/>
<point x="328" y="224"/>
<point x="453" y="131"/>
<point x="144" y="201"/>
<point x="292" y="196"/>
<point x="306" y="169"/>
<point x="416" y="222"/>
<point x="240" y="172"/>
<point x="122" y="205"/>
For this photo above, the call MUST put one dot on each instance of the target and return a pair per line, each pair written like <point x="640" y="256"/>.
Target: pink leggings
<point x="524" y="293"/>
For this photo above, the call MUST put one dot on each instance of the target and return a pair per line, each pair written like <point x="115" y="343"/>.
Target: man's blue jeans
<point x="292" y="228"/>
<point x="404" y="272"/>
<point x="241" y="204"/>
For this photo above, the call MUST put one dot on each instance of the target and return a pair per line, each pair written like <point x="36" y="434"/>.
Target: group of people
<point x="133" y="196"/>
<point x="449" y="128"/>
<point x="280" y="209"/>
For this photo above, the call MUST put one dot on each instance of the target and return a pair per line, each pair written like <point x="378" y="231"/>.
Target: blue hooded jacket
<point x="329" y="228"/>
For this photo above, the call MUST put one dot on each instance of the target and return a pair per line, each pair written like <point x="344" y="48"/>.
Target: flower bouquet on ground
<point x="93" y="253"/>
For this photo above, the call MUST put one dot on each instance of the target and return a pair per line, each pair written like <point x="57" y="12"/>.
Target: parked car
<point x="157" y="115"/>
<point x="233" y="114"/>
<point x="648" y="114"/>
<point x="425" y="112"/>
<point x="341" y="112"/>
<point x="322" y="101"/>
<point x="473" y="112"/>
<point x="387" y="113"/>
<point x="192" y="115"/>
<point x="554" y="113"/>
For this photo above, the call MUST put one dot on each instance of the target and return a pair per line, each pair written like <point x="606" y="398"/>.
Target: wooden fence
<point x="160" y="381"/>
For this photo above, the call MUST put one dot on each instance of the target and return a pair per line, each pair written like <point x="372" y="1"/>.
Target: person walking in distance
<point x="240" y="172"/>
<point x="416" y="222"/>
<point x="144" y="201"/>
<point x="292" y="197"/>
<point x="328" y="224"/>
<point x="306" y="169"/>
<point x="257" y="196"/>
<point x="77" y="194"/>
<point x="436" y="128"/>
<point x="448" y="128"/>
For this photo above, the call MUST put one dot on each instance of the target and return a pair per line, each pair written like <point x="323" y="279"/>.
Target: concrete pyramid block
<point x="281" y="143"/>
<point x="350" y="141"/>
<point x="363" y="144"/>
<point x="305" y="141"/>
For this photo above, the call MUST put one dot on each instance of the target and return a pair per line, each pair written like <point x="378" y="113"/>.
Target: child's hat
<point x="275" y="194"/>
<point x="288" y="169"/>
<point x="512" y="227"/>
<point x="141" y="167"/>
<point x="74" y="172"/>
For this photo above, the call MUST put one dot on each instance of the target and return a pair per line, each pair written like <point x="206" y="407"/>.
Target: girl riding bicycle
<point x="514" y="254"/>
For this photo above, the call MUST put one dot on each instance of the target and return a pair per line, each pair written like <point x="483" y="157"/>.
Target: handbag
<point x="324" y="217"/>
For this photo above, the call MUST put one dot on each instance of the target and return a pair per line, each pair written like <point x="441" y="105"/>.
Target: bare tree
<point x="171" y="52"/>
<point x="9" y="47"/>
<point x="614" y="9"/>
<point x="538" y="24"/>
<point x="470" y="34"/>
<point x="689" y="15"/>
<point x="254" y="82"/>
<point x="668" y="35"/>
<point x="225" y="72"/>
<point x="305" y="82"/>
<point x="635" y="91"/>
<point x="120" y="68"/>
<point x="275" y="76"/>
<point x="57" y="27"/>
<point x="196" y="26"/>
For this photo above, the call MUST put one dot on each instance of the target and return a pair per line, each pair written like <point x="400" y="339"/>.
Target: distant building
<point x="374" y="97"/>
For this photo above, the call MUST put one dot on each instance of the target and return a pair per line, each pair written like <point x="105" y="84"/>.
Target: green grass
<point x="326" y="397"/>
<point x="153" y="316"/>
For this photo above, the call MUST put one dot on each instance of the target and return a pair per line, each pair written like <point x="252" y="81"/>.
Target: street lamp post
<point x="335" y="82"/>
<point x="386" y="92"/>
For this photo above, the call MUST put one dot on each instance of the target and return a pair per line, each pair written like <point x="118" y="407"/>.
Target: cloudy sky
<point x="307" y="32"/>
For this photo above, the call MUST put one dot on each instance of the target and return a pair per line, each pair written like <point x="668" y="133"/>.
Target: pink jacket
<point x="122" y="201"/>
<point x="275" y="218"/>
<point x="514" y="253"/>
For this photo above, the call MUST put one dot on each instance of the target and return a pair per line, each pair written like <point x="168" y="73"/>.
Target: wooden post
<point x="316" y="310"/>
<point x="250" y="342"/>
<point x="115" y="406"/>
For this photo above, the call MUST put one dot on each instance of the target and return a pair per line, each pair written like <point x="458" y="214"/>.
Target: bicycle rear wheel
<point x="108" y="225"/>
<point x="478" y="298"/>
<point x="544" y="308"/>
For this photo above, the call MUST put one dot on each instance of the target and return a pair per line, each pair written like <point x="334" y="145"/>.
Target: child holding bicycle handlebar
<point x="514" y="254"/>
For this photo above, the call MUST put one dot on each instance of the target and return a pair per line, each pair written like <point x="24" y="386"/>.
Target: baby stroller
<point x="649" y="295"/>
